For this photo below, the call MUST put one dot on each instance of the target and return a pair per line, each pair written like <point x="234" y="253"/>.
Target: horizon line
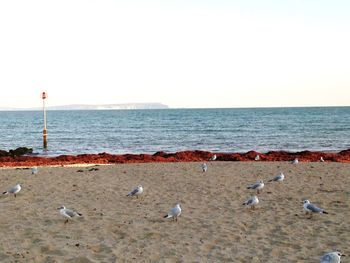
<point x="168" y="107"/>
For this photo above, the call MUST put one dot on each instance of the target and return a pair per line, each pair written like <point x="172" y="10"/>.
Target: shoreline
<point x="161" y="157"/>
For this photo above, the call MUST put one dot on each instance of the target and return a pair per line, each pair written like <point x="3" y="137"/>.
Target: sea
<point x="173" y="130"/>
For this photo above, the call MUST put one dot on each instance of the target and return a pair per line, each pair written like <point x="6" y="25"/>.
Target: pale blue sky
<point x="181" y="53"/>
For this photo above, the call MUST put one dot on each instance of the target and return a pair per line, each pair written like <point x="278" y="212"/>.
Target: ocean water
<point x="171" y="130"/>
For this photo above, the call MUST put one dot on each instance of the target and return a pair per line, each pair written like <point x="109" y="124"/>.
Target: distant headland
<point x="124" y="106"/>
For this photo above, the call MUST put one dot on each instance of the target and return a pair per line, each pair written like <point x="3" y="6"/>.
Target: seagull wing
<point x="69" y="212"/>
<point x="314" y="208"/>
<point x="173" y="211"/>
<point x="133" y="192"/>
<point x="249" y="202"/>
<point x="254" y="186"/>
<point x="170" y="214"/>
<point x="326" y="259"/>
<point x="13" y="189"/>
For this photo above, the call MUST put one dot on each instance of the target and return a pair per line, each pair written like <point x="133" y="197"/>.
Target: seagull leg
<point x="65" y="222"/>
<point x="15" y="195"/>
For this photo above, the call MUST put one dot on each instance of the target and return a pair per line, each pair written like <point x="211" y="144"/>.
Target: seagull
<point x="321" y="160"/>
<point x="136" y="191"/>
<point x="213" y="158"/>
<point x="295" y="161"/>
<point x="277" y="178"/>
<point x="311" y="208"/>
<point x="258" y="186"/>
<point x="174" y="212"/>
<point x="34" y="170"/>
<point x="257" y="158"/>
<point x="68" y="213"/>
<point x="331" y="257"/>
<point x="252" y="202"/>
<point x="13" y="190"/>
<point x="204" y="167"/>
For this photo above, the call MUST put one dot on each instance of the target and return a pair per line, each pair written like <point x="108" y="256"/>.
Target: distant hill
<point x="124" y="106"/>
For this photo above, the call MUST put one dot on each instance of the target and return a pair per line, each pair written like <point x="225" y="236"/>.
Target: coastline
<point x="161" y="157"/>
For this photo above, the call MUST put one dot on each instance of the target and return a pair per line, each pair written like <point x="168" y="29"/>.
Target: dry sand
<point x="214" y="226"/>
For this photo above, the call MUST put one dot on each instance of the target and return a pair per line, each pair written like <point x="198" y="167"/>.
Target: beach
<point x="174" y="131"/>
<point x="213" y="226"/>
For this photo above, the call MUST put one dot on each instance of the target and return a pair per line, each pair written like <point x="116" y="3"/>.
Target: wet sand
<point x="213" y="227"/>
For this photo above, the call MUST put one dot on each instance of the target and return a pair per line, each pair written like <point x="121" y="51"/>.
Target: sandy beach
<point x="213" y="227"/>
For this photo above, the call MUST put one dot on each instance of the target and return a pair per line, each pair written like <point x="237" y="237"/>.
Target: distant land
<point x="124" y="106"/>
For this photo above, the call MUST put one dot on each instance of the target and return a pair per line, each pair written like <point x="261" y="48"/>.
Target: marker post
<point x="44" y="96"/>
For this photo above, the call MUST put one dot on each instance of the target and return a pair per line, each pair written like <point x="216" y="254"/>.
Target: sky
<point x="184" y="53"/>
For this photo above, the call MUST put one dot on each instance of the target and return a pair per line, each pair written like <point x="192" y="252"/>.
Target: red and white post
<point x="44" y="96"/>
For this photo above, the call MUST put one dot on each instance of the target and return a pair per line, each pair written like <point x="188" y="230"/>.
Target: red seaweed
<point x="184" y="156"/>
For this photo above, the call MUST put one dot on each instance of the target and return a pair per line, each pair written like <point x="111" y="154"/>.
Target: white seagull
<point x="174" y="212"/>
<point x="252" y="202"/>
<point x="259" y="185"/>
<point x="34" y="170"/>
<point x="257" y="158"/>
<point x="68" y="213"/>
<point x="213" y="158"/>
<point x="277" y="178"/>
<point x="136" y="191"/>
<point x="331" y="257"/>
<point x="295" y="161"/>
<point x="204" y="167"/>
<point x="310" y="208"/>
<point x="13" y="190"/>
